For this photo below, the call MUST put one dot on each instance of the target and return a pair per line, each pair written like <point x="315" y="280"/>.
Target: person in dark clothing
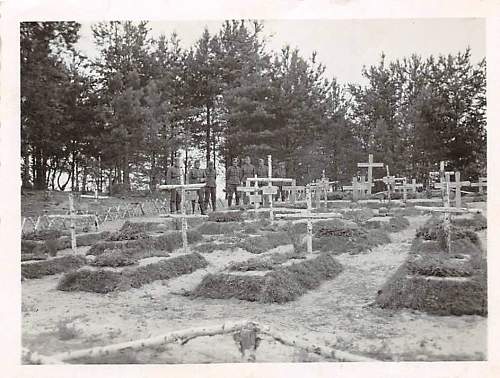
<point x="210" y="188"/>
<point x="247" y="170"/>
<point x="174" y="178"/>
<point x="198" y="176"/>
<point x="233" y="177"/>
<point x="281" y="173"/>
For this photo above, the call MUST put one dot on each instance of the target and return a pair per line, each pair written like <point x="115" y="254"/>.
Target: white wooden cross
<point x="322" y="185"/>
<point x="448" y="210"/>
<point x="72" y="217"/>
<point x="183" y="188"/>
<point x="457" y="185"/>
<point x="294" y="190"/>
<point x="370" y="165"/>
<point x="308" y="216"/>
<point x="254" y="197"/>
<point x="389" y="181"/>
<point x="358" y="188"/>
<point x="481" y="184"/>
<point x="95" y="196"/>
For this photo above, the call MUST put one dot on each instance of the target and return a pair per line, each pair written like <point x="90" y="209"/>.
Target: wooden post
<point x="293" y="195"/>
<point x="269" y="184"/>
<point x="458" y="190"/>
<point x="255" y="205"/>
<point x="72" y="222"/>
<point x="370" y="165"/>
<point x="388" y="184"/>
<point x="404" y="190"/>
<point x="309" y="222"/>
<point x="185" y="247"/>
<point x="447" y="220"/>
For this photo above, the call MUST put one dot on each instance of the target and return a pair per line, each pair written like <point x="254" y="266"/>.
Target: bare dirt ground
<point x="337" y="314"/>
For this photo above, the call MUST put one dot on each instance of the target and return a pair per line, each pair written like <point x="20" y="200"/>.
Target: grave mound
<point x="216" y="228"/>
<point x="105" y="281"/>
<point x="116" y="257"/>
<point x="210" y="247"/>
<point x="267" y="241"/>
<point x="281" y="285"/>
<point x="53" y="266"/>
<point x="228" y="216"/>
<point x="166" y="242"/>
<point x="437" y="282"/>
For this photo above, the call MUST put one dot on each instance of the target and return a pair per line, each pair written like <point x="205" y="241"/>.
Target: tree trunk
<point x="209" y="126"/>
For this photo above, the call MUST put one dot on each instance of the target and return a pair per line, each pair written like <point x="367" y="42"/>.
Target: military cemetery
<point x="195" y="207"/>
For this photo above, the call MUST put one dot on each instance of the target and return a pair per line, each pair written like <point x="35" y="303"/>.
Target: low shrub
<point x="53" y="266"/>
<point x="266" y="242"/>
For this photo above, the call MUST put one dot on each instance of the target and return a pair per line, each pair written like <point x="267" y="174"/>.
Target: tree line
<point x="124" y="115"/>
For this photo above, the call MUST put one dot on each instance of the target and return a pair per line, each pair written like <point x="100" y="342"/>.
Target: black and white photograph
<point x="253" y="190"/>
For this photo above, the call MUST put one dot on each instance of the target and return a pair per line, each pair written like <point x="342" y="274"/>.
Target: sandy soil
<point x="338" y="314"/>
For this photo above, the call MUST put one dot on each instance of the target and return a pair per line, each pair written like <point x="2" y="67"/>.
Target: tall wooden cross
<point x="254" y="197"/>
<point x="183" y="188"/>
<point x="308" y="216"/>
<point x="481" y="184"/>
<point x="447" y="210"/>
<point x="359" y="188"/>
<point x="370" y="165"/>
<point x="322" y="186"/>
<point x="389" y="182"/>
<point x="456" y="185"/>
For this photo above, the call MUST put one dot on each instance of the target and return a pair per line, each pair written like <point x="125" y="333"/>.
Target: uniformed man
<point x="233" y="179"/>
<point x="247" y="170"/>
<point x="262" y="171"/>
<point x="174" y="178"/>
<point x="280" y="172"/>
<point x="198" y="176"/>
<point x="210" y="187"/>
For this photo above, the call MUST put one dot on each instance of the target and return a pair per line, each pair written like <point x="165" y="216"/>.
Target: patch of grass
<point x="229" y="216"/>
<point x="263" y="243"/>
<point x="251" y="264"/>
<point x="433" y="229"/>
<point x="216" y="228"/>
<point x="477" y="223"/>
<point x="359" y="215"/>
<point x="278" y="286"/>
<point x="353" y="241"/>
<point x="211" y="247"/>
<point x="53" y="266"/>
<point x="105" y="281"/>
<point x="166" y="242"/>
<point x="397" y="223"/>
<point x="43" y="235"/>
<point x="115" y="258"/>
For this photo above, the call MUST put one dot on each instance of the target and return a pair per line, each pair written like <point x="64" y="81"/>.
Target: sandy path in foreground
<point x="335" y="314"/>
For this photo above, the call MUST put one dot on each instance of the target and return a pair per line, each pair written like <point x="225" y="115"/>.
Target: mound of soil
<point x="216" y="228"/>
<point x="105" y="281"/>
<point x="53" y="266"/>
<point x="351" y="241"/>
<point x="210" y="247"/>
<point x="278" y="286"/>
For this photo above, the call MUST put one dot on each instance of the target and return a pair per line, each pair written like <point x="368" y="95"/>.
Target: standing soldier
<point x="280" y="172"/>
<point x="233" y="176"/>
<point x="198" y="176"/>
<point x="247" y="170"/>
<point x="210" y="188"/>
<point x="262" y="171"/>
<point x="174" y="178"/>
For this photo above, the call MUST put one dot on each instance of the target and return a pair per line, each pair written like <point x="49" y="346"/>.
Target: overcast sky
<point x="345" y="46"/>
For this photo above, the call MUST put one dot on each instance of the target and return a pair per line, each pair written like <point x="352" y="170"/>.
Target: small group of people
<point x="236" y="176"/>
<point x="196" y="175"/>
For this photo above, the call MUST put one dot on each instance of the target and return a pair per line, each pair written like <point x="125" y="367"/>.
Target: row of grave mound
<point x="439" y="282"/>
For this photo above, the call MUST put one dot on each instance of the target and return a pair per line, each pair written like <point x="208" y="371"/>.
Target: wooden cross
<point x="308" y="216"/>
<point x="448" y="210"/>
<point x="183" y="188"/>
<point x="294" y="190"/>
<point x="481" y="184"/>
<point x="358" y="187"/>
<point x="254" y="198"/>
<point x="457" y="185"/>
<point x="389" y="181"/>
<point x="96" y="194"/>
<point x="370" y="165"/>
<point x="322" y="185"/>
